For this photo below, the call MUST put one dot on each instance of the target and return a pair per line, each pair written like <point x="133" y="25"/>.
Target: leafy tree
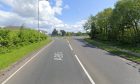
<point x="63" y="32"/>
<point x="120" y="24"/>
<point x="10" y="39"/>
<point x="55" y="32"/>
<point x="90" y="27"/>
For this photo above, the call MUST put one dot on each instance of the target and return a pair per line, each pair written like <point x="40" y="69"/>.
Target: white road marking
<point x="70" y="47"/>
<point x="88" y="75"/>
<point x="58" y="56"/>
<point x="4" y="82"/>
<point x="90" y="78"/>
<point x="68" y="41"/>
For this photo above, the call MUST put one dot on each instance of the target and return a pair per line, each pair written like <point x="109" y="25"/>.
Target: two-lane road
<point x="75" y="62"/>
<point x="56" y="64"/>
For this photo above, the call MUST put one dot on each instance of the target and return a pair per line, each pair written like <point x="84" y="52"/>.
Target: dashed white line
<point x="68" y="41"/>
<point x="90" y="78"/>
<point x="70" y="47"/>
<point x="4" y="82"/>
<point x="88" y="75"/>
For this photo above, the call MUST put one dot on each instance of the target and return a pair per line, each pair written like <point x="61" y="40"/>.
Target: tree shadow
<point x="85" y="44"/>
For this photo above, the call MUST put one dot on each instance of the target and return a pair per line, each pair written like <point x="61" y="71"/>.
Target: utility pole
<point x="39" y="18"/>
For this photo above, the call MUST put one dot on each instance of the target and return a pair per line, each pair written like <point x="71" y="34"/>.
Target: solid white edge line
<point x="90" y="78"/>
<point x="5" y="81"/>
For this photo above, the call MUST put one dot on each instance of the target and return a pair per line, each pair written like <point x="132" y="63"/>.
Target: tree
<point x="90" y="27"/>
<point x="98" y="26"/>
<point x="102" y="23"/>
<point x="125" y="20"/>
<point x="120" y="24"/>
<point x="63" y="32"/>
<point x="55" y="32"/>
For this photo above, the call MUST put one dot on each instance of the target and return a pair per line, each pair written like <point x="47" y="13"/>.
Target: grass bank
<point x="16" y="54"/>
<point x="112" y="48"/>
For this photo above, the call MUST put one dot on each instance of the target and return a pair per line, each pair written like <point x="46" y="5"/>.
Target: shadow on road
<point x="133" y="64"/>
<point x="85" y="44"/>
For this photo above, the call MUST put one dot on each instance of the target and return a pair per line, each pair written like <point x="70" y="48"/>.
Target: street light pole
<point x="38" y="16"/>
<point x="38" y="23"/>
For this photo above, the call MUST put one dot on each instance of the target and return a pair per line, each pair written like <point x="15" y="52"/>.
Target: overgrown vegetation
<point x="117" y="29"/>
<point x="17" y="54"/>
<point x="11" y="39"/>
<point x="17" y="43"/>
<point x="120" y="24"/>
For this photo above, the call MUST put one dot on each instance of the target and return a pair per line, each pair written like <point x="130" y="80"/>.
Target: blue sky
<point x="68" y="15"/>
<point x="4" y="7"/>
<point x="81" y="9"/>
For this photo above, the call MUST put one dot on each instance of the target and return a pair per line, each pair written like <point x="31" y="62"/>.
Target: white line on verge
<point x="91" y="80"/>
<point x="5" y="81"/>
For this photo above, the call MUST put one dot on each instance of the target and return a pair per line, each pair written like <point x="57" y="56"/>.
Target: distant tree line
<point x="64" y="33"/>
<point x="120" y="24"/>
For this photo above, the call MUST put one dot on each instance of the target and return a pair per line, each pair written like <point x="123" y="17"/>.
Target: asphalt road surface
<point x="57" y="64"/>
<point x="104" y="67"/>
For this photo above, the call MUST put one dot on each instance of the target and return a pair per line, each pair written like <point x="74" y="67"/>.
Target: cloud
<point x="8" y="18"/>
<point x="78" y="26"/>
<point x="66" y="7"/>
<point x="25" y="12"/>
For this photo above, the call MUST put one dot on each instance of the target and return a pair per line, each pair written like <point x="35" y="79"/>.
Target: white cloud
<point x="25" y="12"/>
<point x="66" y="7"/>
<point x="8" y="18"/>
<point x="78" y="26"/>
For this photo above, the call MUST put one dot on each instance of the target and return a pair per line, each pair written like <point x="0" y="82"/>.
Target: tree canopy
<point x="120" y="24"/>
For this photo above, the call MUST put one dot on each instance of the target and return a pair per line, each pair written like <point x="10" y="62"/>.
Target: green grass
<point x="114" y="49"/>
<point x="16" y="54"/>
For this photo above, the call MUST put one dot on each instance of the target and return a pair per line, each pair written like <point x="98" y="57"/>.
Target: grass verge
<point x="114" y="50"/>
<point x="16" y="54"/>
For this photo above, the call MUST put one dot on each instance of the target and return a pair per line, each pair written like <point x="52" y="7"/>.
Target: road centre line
<point x="5" y="81"/>
<point x="86" y="72"/>
<point x="70" y="47"/>
<point x="68" y="41"/>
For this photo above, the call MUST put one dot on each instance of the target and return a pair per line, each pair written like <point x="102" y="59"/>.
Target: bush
<point x="12" y="38"/>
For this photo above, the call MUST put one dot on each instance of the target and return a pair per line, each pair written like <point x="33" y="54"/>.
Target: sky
<point x="68" y="15"/>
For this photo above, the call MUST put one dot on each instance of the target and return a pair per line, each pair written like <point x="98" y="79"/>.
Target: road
<point x="104" y="67"/>
<point x="57" y="64"/>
